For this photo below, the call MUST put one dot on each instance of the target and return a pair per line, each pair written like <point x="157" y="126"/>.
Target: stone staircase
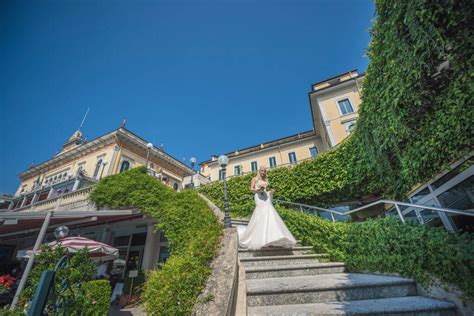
<point x="299" y="282"/>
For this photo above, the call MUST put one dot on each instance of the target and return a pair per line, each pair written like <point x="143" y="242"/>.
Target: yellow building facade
<point x="276" y="153"/>
<point x="81" y="163"/>
<point x="334" y="104"/>
<point x="61" y="186"/>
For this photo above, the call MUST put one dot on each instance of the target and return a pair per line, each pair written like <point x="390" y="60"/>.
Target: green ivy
<point x="385" y="245"/>
<point x="413" y="120"/>
<point x="418" y="251"/>
<point x="192" y="230"/>
<point x="323" y="235"/>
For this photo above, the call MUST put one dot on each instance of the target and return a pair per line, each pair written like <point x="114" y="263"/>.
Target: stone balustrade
<point x="64" y="202"/>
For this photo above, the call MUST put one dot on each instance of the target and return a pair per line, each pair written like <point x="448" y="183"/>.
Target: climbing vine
<point x="425" y="253"/>
<point x="416" y="113"/>
<point x="192" y="230"/>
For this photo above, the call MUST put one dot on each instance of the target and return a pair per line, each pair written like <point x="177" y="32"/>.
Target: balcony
<point x="67" y="201"/>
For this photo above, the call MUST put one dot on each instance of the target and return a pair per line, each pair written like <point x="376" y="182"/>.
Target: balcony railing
<point x="66" y="201"/>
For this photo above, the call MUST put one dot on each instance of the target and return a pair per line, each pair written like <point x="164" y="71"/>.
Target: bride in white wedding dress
<point x="266" y="228"/>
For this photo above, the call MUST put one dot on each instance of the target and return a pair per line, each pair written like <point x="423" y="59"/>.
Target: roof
<point x="333" y="85"/>
<point x="269" y="144"/>
<point x="102" y="140"/>
<point x="333" y="77"/>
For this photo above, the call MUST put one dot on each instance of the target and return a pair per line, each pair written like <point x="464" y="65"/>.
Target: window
<point x="254" y="165"/>
<point x="292" y="157"/>
<point x="345" y="106"/>
<point x="125" y="166"/>
<point x="175" y="187"/>
<point x="272" y="162"/>
<point x="237" y="170"/>
<point x="221" y="174"/>
<point x="97" y="168"/>
<point x="313" y="152"/>
<point x="164" y="254"/>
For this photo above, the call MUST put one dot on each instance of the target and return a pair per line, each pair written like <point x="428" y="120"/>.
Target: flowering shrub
<point x="6" y="282"/>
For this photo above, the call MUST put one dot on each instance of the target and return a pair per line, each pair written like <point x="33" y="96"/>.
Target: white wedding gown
<point x="266" y="228"/>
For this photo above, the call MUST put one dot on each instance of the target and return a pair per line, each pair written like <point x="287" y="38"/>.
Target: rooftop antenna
<point x="83" y="120"/>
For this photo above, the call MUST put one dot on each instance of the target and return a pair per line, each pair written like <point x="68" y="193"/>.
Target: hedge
<point x="385" y="245"/>
<point x="80" y="270"/>
<point x="415" y="117"/>
<point x="192" y="230"/>
<point x="324" y="236"/>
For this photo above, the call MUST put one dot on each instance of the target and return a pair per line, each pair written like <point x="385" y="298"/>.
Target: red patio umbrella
<point x="98" y="251"/>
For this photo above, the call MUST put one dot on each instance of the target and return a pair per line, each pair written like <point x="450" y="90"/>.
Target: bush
<point x="192" y="230"/>
<point x="386" y="245"/>
<point x="414" y="119"/>
<point x="412" y="250"/>
<point x="96" y="297"/>
<point x="79" y="271"/>
<point x="323" y="235"/>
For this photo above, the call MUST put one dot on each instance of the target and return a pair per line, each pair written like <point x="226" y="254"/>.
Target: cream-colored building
<point x="61" y="186"/>
<point x="109" y="154"/>
<point x="280" y="152"/>
<point x="334" y="104"/>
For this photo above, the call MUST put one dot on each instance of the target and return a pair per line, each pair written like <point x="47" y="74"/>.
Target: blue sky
<point x="201" y="77"/>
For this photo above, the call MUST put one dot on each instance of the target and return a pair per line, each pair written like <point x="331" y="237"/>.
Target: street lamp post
<point x="193" y="162"/>
<point x="104" y="163"/>
<point x="149" y="146"/>
<point x="223" y="162"/>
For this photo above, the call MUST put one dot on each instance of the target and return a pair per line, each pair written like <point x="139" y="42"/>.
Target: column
<point x="24" y="200"/>
<point x="105" y="237"/>
<point x="113" y="161"/>
<point x="50" y="192"/>
<point x="150" y="247"/>
<point x="77" y="181"/>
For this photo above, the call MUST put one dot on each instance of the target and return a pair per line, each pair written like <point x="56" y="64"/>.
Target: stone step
<point x="326" y="288"/>
<point x="281" y="260"/>
<point x="266" y="272"/>
<point x="410" y="305"/>
<point x="239" y="220"/>
<point x="275" y="251"/>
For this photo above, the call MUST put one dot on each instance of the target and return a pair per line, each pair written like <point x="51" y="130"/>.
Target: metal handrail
<point x="397" y="204"/>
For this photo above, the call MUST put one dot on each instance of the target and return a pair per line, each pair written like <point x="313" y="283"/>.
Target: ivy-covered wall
<point x="415" y="118"/>
<point x="425" y="253"/>
<point x="192" y="230"/>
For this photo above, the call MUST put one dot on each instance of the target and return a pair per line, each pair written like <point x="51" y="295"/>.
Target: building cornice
<point x="265" y="146"/>
<point x="69" y="155"/>
<point x="109" y="138"/>
<point x="335" y="87"/>
<point x="126" y="135"/>
<point x="333" y="77"/>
